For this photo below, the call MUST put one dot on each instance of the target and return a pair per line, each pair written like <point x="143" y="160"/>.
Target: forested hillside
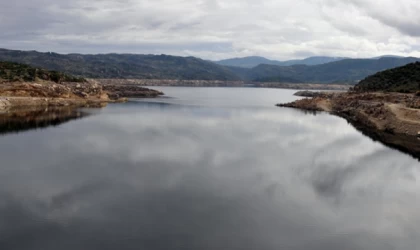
<point x="402" y="79"/>
<point x="13" y="72"/>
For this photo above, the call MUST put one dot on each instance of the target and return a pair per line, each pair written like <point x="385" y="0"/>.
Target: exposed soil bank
<point x="391" y="118"/>
<point x="15" y="96"/>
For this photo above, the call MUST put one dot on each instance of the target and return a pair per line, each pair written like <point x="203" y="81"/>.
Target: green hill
<point x="123" y="65"/>
<point x="13" y="72"/>
<point x="402" y="79"/>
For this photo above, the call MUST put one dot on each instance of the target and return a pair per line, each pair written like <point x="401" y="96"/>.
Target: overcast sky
<point x="214" y="29"/>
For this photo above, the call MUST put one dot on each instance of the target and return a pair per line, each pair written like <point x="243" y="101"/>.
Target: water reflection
<point x="23" y="120"/>
<point x="147" y="177"/>
<point x="404" y="143"/>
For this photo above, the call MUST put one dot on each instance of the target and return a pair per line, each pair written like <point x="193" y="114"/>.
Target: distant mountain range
<point x="123" y="65"/>
<point x="344" y="71"/>
<point x="254" y="61"/>
<point x="310" y="70"/>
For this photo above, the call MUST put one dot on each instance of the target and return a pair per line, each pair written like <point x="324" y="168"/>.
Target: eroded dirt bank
<point x="17" y="95"/>
<point x="392" y="118"/>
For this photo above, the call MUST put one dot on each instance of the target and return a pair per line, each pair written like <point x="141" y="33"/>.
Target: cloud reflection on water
<point x="206" y="178"/>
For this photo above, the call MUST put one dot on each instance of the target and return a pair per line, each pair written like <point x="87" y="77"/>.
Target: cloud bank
<point x="214" y="29"/>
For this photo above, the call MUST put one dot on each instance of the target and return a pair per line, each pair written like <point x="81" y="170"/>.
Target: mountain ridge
<point x="254" y="61"/>
<point x="349" y="71"/>
<point x="115" y="65"/>
<point x="137" y="66"/>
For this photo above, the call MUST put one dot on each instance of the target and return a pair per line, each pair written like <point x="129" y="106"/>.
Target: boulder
<point x="4" y="103"/>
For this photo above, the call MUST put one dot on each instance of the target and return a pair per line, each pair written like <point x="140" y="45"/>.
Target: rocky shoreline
<point x="15" y="96"/>
<point x="391" y="118"/>
<point x="129" y="91"/>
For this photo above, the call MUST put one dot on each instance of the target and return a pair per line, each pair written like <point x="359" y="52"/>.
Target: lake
<point x="206" y="168"/>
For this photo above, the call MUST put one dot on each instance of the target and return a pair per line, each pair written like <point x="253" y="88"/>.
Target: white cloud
<point x="214" y="29"/>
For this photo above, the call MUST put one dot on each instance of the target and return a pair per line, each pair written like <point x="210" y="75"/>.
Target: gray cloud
<point x="218" y="28"/>
<point x="402" y="16"/>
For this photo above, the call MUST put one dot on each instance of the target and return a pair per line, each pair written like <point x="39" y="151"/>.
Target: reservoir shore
<point x="391" y="118"/>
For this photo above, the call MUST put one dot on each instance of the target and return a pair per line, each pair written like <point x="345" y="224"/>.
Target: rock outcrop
<point x="130" y="91"/>
<point x="80" y="94"/>
<point x="307" y="93"/>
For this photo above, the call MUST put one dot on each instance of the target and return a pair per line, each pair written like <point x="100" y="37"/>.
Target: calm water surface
<point x="206" y="168"/>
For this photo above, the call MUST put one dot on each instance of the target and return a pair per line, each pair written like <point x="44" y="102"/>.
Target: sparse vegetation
<point x="16" y="72"/>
